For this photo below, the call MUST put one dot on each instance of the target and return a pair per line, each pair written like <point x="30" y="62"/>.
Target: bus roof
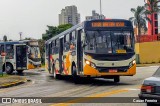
<point x="65" y="32"/>
<point x="12" y="42"/>
<point x="17" y="42"/>
<point x="85" y="25"/>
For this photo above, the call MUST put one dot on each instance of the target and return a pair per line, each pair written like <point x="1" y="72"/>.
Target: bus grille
<point x="119" y="69"/>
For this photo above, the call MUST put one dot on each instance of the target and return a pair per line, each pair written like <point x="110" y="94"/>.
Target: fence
<point x="147" y="38"/>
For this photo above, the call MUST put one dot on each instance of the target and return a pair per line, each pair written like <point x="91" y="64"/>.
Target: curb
<point x="16" y="82"/>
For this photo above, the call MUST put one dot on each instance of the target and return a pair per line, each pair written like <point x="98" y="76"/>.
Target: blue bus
<point x="20" y="55"/>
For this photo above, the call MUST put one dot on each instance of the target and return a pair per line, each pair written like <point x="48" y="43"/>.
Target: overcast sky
<point x="32" y="16"/>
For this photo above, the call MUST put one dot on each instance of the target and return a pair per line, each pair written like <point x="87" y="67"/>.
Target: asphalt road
<point x="43" y="85"/>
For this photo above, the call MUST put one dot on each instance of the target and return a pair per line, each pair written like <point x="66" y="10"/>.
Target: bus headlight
<point x="87" y="62"/>
<point x="132" y="63"/>
<point x="90" y="63"/>
<point x="93" y="65"/>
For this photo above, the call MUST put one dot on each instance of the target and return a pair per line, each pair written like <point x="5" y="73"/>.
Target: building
<point x="69" y="15"/>
<point x="95" y="16"/>
<point x="154" y="23"/>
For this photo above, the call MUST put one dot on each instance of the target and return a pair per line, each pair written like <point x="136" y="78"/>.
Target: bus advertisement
<point x="96" y="48"/>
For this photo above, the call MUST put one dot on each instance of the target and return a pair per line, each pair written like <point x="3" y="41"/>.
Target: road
<point x="43" y="85"/>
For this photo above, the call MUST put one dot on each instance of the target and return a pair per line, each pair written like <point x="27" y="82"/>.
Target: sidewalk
<point x="8" y="81"/>
<point x="145" y="65"/>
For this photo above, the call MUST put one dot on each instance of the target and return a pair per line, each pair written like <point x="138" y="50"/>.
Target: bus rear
<point x="109" y="49"/>
<point x="34" y="58"/>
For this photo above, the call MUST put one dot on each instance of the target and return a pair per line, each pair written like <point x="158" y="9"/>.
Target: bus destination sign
<point x="108" y="24"/>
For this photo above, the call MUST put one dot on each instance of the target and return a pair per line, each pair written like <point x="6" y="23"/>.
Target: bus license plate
<point x="112" y="71"/>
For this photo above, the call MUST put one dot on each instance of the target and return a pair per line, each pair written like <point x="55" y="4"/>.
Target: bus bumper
<point x="92" y="72"/>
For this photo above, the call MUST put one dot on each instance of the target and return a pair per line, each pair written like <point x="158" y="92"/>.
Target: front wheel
<point x="76" y="78"/>
<point x="117" y="79"/>
<point x="8" y="68"/>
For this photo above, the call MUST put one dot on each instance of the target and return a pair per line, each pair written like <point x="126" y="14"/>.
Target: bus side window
<point x="73" y="40"/>
<point x="73" y="35"/>
<point x="2" y="48"/>
<point x="66" y="42"/>
<point x="53" y="47"/>
<point x="56" y="46"/>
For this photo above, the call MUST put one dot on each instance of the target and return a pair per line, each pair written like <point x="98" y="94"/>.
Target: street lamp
<point x="20" y="33"/>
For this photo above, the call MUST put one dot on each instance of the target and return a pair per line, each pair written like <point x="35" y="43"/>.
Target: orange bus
<point x="95" y="48"/>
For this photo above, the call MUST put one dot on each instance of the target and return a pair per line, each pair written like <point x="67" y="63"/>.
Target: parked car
<point x="150" y="89"/>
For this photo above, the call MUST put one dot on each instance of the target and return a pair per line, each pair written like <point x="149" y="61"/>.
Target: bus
<point x="96" y="48"/>
<point x="30" y="52"/>
<point x="33" y="51"/>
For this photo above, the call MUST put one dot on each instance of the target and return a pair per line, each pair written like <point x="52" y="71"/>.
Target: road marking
<point x="104" y="94"/>
<point x="131" y="89"/>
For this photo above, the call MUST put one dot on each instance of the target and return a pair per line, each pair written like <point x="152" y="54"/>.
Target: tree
<point x="140" y="18"/>
<point x="41" y="44"/>
<point x="152" y="7"/>
<point x="53" y="30"/>
<point x="29" y="38"/>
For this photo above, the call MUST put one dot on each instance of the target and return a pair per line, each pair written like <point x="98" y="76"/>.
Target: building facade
<point x="69" y="15"/>
<point x="95" y="16"/>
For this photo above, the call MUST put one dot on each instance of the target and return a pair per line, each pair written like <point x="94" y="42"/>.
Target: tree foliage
<point x="41" y="44"/>
<point x="152" y="7"/>
<point x="140" y="18"/>
<point x="53" y="30"/>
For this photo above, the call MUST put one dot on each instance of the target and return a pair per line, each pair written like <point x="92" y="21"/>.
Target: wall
<point x="148" y="52"/>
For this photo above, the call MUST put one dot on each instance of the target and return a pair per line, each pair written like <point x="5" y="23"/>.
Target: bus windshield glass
<point x="105" y="42"/>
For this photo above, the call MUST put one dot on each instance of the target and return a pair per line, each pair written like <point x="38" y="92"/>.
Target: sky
<point x="32" y="16"/>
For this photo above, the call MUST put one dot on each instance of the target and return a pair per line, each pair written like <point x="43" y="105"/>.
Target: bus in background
<point x="14" y="56"/>
<point x="32" y="51"/>
<point x="96" y="48"/>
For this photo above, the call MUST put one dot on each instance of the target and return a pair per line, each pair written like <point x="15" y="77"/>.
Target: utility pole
<point x="100" y="7"/>
<point x="20" y="33"/>
<point x="5" y="52"/>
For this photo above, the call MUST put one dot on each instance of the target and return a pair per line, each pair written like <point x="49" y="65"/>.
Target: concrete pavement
<point x="43" y="85"/>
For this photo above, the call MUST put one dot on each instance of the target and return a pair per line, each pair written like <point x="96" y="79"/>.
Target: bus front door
<point x="79" y="51"/>
<point x="61" y="55"/>
<point x="21" y="57"/>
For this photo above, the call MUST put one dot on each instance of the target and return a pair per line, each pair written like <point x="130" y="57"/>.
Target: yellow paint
<point x="104" y="94"/>
<point x="31" y="66"/>
<point x="149" y="52"/>
<point x="137" y="48"/>
<point x="88" y="70"/>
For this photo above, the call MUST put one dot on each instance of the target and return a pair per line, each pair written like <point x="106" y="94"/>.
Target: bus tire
<point x="117" y="79"/>
<point x="9" y="68"/>
<point x="76" y="78"/>
<point x="20" y="71"/>
<point x="56" y="76"/>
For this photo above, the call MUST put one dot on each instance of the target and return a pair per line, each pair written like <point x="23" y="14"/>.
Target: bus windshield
<point x="102" y="42"/>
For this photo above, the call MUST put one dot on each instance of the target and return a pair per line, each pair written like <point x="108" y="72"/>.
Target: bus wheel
<point x="9" y="68"/>
<point x="20" y="71"/>
<point x="117" y="79"/>
<point x="56" y="76"/>
<point x="76" y="78"/>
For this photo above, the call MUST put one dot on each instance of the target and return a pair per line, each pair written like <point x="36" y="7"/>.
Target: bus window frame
<point x="66" y="43"/>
